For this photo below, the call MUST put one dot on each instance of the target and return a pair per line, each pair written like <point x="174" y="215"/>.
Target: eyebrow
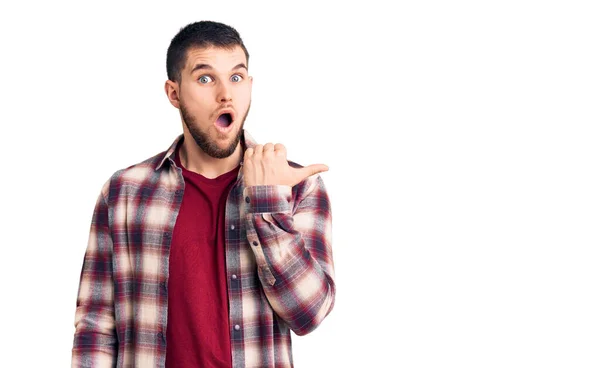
<point x="209" y="67"/>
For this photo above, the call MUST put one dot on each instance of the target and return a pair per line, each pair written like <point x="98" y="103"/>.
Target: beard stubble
<point x="203" y="139"/>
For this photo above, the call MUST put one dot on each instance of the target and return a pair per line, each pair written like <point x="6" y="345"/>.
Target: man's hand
<point x="267" y="165"/>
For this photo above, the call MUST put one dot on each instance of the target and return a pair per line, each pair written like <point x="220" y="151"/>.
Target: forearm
<point x="95" y="341"/>
<point x="293" y="253"/>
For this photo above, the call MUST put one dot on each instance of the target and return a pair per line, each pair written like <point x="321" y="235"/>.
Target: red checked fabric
<point x="277" y="243"/>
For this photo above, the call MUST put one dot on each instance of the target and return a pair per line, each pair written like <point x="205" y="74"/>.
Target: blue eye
<point x="236" y="78"/>
<point x="205" y="79"/>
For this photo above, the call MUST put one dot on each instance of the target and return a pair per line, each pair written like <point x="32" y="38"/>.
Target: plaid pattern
<point x="278" y="244"/>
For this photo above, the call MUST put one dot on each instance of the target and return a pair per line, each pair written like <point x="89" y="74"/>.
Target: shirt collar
<point x="246" y="139"/>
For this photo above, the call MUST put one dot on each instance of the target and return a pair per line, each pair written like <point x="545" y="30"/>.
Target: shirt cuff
<point x="268" y="198"/>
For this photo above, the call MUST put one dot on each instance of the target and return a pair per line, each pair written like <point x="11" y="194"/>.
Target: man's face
<point x="214" y="98"/>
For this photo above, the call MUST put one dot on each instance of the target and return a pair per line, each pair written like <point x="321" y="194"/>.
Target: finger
<point x="268" y="147"/>
<point x="248" y="154"/>
<point x="258" y="149"/>
<point x="305" y="172"/>
<point x="268" y="150"/>
<point x="280" y="149"/>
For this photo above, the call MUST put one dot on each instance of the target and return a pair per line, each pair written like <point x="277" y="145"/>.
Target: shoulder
<point x="128" y="180"/>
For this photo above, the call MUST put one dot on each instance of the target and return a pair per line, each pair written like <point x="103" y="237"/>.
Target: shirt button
<point x="159" y="335"/>
<point x="167" y="234"/>
<point x="163" y="285"/>
<point x="237" y="327"/>
<point x="232" y="227"/>
<point x="247" y="199"/>
<point x="234" y="276"/>
<point x="255" y="243"/>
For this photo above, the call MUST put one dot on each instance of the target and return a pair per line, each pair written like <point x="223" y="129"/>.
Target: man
<point x="207" y="254"/>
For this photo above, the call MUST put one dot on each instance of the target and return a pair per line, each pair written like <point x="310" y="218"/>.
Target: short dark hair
<point x="199" y="34"/>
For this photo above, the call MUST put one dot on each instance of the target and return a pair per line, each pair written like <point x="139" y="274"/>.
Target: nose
<point x="224" y="94"/>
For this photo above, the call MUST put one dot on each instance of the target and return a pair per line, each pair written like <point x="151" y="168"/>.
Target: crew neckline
<point x="210" y="181"/>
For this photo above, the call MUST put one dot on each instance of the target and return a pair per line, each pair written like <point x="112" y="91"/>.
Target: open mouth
<point x="224" y="120"/>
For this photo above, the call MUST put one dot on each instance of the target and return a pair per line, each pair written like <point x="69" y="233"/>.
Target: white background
<point x="462" y="139"/>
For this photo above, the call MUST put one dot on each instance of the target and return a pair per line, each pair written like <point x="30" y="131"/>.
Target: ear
<point x="250" y="79"/>
<point x="172" y="91"/>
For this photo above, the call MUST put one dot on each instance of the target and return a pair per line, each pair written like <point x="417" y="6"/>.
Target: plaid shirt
<point x="278" y="246"/>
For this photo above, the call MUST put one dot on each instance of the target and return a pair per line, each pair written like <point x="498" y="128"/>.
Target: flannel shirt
<point x="278" y="244"/>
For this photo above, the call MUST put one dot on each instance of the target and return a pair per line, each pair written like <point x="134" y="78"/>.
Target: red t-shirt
<point x="198" y="311"/>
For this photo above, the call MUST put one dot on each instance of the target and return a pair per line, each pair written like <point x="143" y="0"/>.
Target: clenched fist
<point x="267" y="165"/>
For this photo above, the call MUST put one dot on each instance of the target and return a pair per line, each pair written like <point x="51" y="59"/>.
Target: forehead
<point x="219" y="58"/>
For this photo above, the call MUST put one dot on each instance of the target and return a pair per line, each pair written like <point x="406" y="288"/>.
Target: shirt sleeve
<point x="292" y="246"/>
<point x="94" y="343"/>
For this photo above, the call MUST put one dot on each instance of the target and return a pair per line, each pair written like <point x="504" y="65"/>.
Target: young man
<point x="207" y="254"/>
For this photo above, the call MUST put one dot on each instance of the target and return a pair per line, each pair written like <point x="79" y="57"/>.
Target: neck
<point x="196" y="160"/>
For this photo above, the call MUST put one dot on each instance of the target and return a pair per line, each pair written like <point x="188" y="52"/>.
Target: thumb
<point x="305" y="172"/>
